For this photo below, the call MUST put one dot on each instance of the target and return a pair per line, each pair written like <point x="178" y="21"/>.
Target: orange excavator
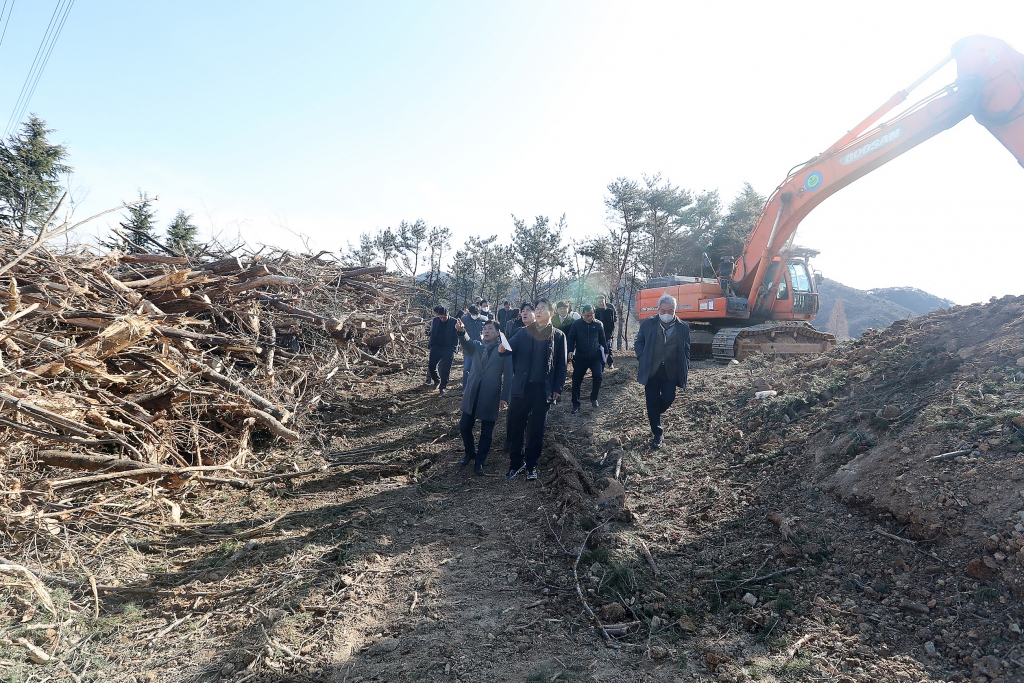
<point x="762" y="300"/>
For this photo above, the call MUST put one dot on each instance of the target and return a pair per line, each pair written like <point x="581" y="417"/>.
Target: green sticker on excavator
<point x="812" y="181"/>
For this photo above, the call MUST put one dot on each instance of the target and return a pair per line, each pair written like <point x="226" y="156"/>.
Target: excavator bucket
<point x="999" y="70"/>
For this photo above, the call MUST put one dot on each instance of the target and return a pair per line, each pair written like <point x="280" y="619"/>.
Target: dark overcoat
<point x="522" y="354"/>
<point x="490" y="380"/>
<point x="644" y="347"/>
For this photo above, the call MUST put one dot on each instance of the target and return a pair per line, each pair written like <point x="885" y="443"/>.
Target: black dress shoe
<point x="656" y="444"/>
<point x="595" y="403"/>
<point x="478" y="470"/>
<point x="575" y="409"/>
<point x="465" y="461"/>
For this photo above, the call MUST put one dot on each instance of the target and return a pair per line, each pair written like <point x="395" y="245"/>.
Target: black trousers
<point x="440" y="364"/>
<point x="473" y="452"/>
<point x="659" y="391"/>
<point x="579" y="371"/>
<point x="528" y="417"/>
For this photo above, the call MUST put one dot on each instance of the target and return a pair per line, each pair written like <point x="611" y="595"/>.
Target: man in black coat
<point x="487" y="391"/>
<point x="474" y="324"/>
<point x="605" y="314"/>
<point x="519" y="321"/>
<point x="524" y="318"/>
<point x="443" y="340"/>
<point x="663" y="348"/>
<point x="538" y="375"/>
<point x="586" y="344"/>
<point x="505" y="315"/>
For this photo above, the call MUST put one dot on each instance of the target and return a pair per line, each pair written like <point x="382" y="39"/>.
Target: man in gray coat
<point x="487" y="391"/>
<point x="663" y="348"/>
<point x="474" y="323"/>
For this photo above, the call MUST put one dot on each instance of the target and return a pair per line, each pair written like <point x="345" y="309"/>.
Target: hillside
<point x="917" y="300"/>
<point x="857" y="310"/>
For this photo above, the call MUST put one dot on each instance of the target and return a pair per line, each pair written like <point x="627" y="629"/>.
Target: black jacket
<point x="443" y="334"/>
<point x="607" y="317"/>
<point x="585" y="339"/>
<point x="644" y="347"/>
<point x="513" y="326"/>
<point x="504" y="316"/>
<point x="522" y="355"/>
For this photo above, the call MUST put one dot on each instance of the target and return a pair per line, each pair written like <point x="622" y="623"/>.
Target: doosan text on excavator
<point x="762" y="300"/>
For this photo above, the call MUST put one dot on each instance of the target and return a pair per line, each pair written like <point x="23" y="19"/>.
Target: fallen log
<point x="356" y="272"/>
<point x="87" y="461"/>
<point x="785" y="529"/>
<point x="266" y="406"/>
<point x="379" y="361"/>
<point x="145" y="473"/>
<point x="269" y="422"/>
<point x="264" y="281"/>
<point x="331" y="324"/>
<point x="153" y="258"/>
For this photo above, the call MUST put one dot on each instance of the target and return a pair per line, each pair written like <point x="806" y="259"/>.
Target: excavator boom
<point x="989" y="85"/>
<point x="764" y="299"/>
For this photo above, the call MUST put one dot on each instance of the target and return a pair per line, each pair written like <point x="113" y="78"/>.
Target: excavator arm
<point x="989" y="86"/>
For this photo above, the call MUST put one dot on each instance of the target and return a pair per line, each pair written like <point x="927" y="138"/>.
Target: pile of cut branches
<point x="157" y="366"/>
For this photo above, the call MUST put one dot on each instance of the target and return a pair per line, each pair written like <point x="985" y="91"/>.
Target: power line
<point x="31" y="71"/>
<point x="46" y="60"/>
<point x="8" y="19"/>
<point x="39" y="63"/>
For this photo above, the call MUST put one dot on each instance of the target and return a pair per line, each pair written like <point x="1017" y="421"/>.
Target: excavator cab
<point x="790" y="289"/>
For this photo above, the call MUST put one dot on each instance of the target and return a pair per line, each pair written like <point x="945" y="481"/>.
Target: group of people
<point x="519" y="359"/>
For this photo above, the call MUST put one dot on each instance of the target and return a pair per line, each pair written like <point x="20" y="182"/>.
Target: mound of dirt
<point x="923" y="420"/>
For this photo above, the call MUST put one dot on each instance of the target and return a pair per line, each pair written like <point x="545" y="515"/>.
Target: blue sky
<point x="318" y="120"/>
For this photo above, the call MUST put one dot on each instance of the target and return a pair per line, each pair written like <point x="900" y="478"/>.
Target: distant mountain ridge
<point x="846" y="312"/>
<point x="917" y="300"/>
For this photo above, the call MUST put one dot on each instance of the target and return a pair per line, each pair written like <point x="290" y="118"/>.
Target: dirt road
<point x="741" y="551"/>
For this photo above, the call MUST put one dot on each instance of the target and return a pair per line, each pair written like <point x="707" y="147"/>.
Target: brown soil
<point x="813" y="519"/>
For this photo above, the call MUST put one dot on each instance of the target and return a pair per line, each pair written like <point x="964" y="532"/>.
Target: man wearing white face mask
<point x="663" y="348"/>
<point x="485" y="310"/>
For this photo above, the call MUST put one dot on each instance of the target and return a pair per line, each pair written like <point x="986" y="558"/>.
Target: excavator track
<point x="786" y="338"/>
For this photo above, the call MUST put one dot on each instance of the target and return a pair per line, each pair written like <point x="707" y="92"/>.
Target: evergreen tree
<point x="438" y="242"/>
<point x="140" y="223"/>
<point x="181" y="233"/>
<point x="662" y="219"/>
<point x="729" y="238"/>
<point x="410" y="244"/>
<point x="30" y="168"/>
<point x="537" y="251"/>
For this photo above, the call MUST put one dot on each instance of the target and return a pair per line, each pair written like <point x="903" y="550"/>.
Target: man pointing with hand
<point x="539" y="367"/>
<point x="487" y="390"/>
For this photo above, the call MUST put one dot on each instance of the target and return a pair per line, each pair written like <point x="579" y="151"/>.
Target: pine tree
<point x="537" y="251"/>
<point x="141" y="222"/>
<point x="181" y="234"/>
<point x="30" y="169"/>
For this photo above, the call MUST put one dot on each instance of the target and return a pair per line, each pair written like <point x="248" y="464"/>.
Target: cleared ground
<point x="805" y="536"/>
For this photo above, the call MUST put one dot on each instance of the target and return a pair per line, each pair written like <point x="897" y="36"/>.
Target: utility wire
<point x="31" y="70"/>
<point x="57" y="19"/>
<point x="8" y="19"/>
<point x="46" y="60"/>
